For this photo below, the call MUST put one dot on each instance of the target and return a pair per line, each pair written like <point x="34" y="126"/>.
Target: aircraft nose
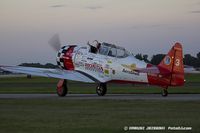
<point x="64" y="57"/>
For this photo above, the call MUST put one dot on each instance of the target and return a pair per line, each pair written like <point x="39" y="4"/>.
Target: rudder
<point x="173" y="64"/>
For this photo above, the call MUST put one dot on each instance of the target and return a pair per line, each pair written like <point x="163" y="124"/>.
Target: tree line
<point x="155" y="60"/>
<point x="47" y="65"/>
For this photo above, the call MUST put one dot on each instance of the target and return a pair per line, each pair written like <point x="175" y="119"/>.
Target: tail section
<point x="173" y="64"/>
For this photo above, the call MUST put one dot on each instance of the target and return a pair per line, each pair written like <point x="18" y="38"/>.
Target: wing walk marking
<point x="89" y="76"/>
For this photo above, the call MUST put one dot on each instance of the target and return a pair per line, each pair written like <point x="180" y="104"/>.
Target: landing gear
<point x="101" y="89"/>
<point x="164" y="92"/>
<point x="62" y="88"/>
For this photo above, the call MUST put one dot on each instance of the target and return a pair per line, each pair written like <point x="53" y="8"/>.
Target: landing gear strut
<point x="165" y="92"/>
<point x="62" y="88"/>
<point x="101" y="89"/>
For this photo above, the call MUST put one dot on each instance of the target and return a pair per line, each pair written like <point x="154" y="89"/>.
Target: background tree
<point x="198" y="59"/>
<point x="145" y="58"/>
<point x="190" y="60"/>
<point x="156" y="59"/>
<point x="48" y="65"/>
<point x="142" y="57"/>
<point x="198" y="56"/>
<point x="139" y="56"/>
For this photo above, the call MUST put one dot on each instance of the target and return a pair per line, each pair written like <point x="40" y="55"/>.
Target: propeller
<point x="55" y="42"/>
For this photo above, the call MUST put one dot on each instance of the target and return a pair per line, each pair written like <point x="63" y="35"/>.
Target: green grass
<point x="48" y="85"/>
<point x="88" y="116"/>
<point x="64" y="115"/>
<point x="192" y="77"/>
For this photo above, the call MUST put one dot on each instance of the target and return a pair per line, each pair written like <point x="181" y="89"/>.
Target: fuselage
<point x="110" y="64"/>
<point x="115" y="64"/>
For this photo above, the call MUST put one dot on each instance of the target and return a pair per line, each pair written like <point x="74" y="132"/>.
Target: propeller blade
<point x="55" y="42"/>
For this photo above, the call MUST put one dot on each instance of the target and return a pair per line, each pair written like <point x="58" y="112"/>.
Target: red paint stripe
<point x="68" y="62"/>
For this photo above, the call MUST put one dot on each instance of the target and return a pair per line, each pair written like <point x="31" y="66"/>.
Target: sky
<point x="141" y="26"/>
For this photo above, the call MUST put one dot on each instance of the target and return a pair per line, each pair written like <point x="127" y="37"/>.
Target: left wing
<point x="52" y="73"/>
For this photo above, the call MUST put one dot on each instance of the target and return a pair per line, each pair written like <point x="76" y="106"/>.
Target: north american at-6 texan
<point x="102" y="63"/>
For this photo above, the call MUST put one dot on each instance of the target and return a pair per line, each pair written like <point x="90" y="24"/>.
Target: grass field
<point x="61" y="115"/>
<point x="48" y="85"/>
<point x="89" y="116"/>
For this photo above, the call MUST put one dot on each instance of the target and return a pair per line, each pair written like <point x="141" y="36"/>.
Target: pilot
<point x="94" y="47"/>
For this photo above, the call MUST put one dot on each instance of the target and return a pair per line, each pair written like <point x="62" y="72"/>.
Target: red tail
<point x="171" y="69"/>
<point x="173" y="63"/>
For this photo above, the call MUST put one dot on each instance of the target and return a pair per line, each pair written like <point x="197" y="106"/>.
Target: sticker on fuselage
<point x="79" y="64"/>
<point x="106" y="71"/>
<point x="130" y="69"/>
<point x="109" y="61"/>
<point x="94" y="67"/>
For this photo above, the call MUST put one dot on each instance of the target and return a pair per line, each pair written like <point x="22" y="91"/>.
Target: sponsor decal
<point x="109" y="61"/>
<point x="130" y="69"/>
<point x="79" y="53"/>
<point x="79" y="64"/>
<point x="94" y="67"/>
<point x="83" y="60"/>
<point x="130" y="72"/>
<point x="167" y="60"/>
<point x="106" y="71"/>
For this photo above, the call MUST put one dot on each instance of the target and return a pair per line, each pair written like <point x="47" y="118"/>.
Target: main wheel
<point x="101" y="89"/>
<point x="164" y="92"/>
<point x="62" y="88"/>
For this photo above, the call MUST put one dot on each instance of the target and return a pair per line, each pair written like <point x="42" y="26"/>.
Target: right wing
<point x="52" y="73"/>
<point x="155" y="70"/>
<point x="191" y="71"/>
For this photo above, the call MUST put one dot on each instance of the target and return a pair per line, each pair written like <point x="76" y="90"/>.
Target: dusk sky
<point x="141" y="26"/>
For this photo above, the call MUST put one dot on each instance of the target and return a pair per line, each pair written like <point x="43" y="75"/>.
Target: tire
<point x="101" y="89"/>
<point x="62" y="91"/>
<point x="164" y="93"/>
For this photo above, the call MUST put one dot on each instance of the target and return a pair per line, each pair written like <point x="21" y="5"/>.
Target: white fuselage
<point x="105" y="68"/>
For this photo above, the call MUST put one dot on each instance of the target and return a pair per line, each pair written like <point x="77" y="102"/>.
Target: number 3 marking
<point x="177" y="62"/>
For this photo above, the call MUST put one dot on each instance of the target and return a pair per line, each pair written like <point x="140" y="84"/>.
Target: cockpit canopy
<point x="113" y="51"/>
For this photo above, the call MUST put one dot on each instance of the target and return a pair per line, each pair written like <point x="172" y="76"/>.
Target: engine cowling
<point x="64" y="57"/>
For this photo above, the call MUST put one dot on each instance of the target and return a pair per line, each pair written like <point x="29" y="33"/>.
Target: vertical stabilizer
<point x="173" y="63"/>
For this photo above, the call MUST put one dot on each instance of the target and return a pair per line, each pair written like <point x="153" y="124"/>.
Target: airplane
<point x="109" y="64"/>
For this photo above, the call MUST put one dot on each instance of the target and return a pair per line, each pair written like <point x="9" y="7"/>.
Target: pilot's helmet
<point x="95" y="43"/>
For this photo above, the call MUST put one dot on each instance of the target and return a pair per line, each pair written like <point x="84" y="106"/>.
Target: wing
<point x="52" y="73"/>
<point x="191" y="71"/>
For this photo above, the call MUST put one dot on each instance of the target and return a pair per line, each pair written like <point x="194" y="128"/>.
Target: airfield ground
<point x="97" y="115"/>
<point x="48" y="85"/>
